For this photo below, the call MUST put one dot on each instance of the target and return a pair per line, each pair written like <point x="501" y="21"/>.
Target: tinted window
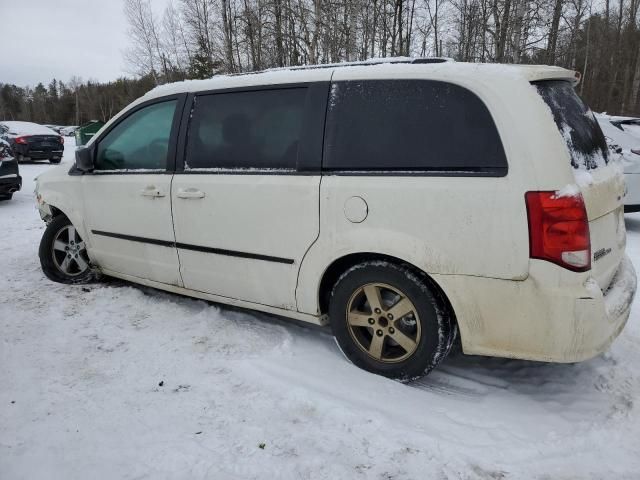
<point x="410" y="125"/>
<point x="140" y="141"/>
<point x="259" y="129"/>
<point x="579" y="128"/>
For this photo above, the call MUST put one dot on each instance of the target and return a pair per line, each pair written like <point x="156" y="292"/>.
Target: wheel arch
<point x="55" y="212"/>
<point x="340" y="265"/>
<point x="58" y="208"/>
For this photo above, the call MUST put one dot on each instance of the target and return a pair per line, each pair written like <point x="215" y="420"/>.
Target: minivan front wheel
<point x="388" y="321"/>
<point x="63" y="254"/>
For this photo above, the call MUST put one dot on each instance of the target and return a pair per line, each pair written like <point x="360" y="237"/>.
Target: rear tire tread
<point x="417" y="285"/>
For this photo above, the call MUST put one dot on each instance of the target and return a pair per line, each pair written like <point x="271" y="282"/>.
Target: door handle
<point x="190" y="193"/>
<point x="151" y="191"/>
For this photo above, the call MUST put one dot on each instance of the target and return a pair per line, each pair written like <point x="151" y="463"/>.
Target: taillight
<point x="559" y="230"/>
<point x="61" y="139"/>
<point x="20" y="140"/>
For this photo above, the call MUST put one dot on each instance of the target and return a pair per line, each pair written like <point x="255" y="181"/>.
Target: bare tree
<point x="144" y="55"/>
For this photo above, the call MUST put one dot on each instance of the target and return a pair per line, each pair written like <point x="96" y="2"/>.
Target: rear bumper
<point x="10" y="183"/>
<point x="552" y="316"/>
<point x="25" y="152"/>
<point x="599" y="320"/>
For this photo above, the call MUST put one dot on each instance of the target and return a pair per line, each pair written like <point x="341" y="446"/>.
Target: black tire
<point x="49" y="263"/>
<point x="429" y="326"/>
<point x="6" y="196"/>
<point x="55" y="160"/>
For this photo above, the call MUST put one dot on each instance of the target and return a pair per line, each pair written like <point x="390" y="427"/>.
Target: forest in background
<point x="202" y="38"/>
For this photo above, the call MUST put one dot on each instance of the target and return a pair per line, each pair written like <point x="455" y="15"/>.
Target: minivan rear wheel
<point x="63" y="254"/>
<point x="387" y="320"/>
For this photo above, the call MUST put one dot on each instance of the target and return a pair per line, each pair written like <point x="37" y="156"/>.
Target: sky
<point x="46" y="39"/>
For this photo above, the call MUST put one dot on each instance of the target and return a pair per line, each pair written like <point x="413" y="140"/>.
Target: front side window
<point x="140" y="141"/>
<point x="246" y="130"/>
<point x="410" y="125"/>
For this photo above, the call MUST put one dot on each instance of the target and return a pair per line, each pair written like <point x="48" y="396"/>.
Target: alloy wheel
<point x="383" y="322"/>
<point x="69" y="252"/>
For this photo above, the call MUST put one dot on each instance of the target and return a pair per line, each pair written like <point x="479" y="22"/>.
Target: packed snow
<point x="112" y="380"/>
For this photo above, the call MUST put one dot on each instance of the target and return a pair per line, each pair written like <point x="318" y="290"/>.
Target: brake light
<point x="20" y="140"/>
<point x="61" y="140"/>
<point x="559" y="230"/>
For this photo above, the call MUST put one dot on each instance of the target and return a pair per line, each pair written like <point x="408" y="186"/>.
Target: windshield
<point x="575" y="121"/>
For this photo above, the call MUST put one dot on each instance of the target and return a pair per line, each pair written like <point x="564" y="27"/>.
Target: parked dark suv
<point x="10" y="180"/>
<point x="30" y="141"/>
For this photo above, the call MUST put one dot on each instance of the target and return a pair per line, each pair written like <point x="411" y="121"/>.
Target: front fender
<point x="57" y="191"/>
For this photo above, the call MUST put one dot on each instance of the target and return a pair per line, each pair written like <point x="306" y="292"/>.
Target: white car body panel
<point x="273" y="215"/>
<point x="123" y="204"/>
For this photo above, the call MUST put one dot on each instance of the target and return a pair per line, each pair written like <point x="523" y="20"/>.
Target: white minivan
<point x="405" y="203"/>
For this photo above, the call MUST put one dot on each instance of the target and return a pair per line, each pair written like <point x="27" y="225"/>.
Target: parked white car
<point x="623" y="136"/>
<point x="68" y="131"/>
<point x="403" y="204"/>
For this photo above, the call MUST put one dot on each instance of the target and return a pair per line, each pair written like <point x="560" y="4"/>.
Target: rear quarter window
<point x="576" y="123"/>
<point x="410" y="126"/>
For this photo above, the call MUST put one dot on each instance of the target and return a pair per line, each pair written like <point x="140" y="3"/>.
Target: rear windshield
<point x="579" y="128"/>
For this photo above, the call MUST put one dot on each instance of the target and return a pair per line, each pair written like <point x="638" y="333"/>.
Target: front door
<point x="128" y="197"/>
<point x="244" y="212"/>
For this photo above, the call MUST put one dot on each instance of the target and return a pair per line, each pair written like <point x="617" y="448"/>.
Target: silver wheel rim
<point x="69" y="253"/>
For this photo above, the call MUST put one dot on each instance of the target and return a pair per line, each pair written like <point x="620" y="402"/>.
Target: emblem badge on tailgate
<point x="598" y="254"/>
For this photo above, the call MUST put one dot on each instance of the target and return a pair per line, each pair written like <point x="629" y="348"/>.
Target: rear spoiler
<point x="536" y="73"/>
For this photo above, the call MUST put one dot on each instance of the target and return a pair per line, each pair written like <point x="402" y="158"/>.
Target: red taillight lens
<point x="20" y="140"/>
<point x="61" y="139"/>
<point x="559" y="230"/>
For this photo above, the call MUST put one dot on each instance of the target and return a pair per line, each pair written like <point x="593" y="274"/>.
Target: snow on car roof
<point x="27" y="128"/>
<point x="367" y="69"/>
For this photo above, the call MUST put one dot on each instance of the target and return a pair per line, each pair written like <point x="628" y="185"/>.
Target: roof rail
<point x="380" y="61"/>
<point x="364" y="63"/>
<point x="422" y="60"/>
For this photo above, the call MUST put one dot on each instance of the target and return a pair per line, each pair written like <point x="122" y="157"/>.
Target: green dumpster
<point x="88" y="130"/>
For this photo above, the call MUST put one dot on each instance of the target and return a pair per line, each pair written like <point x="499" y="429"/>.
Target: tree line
<point x="201" y="38"/>
<point x="71" y="103"/>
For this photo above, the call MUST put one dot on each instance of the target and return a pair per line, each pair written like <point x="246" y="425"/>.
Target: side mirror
<point x="84" y="159"/>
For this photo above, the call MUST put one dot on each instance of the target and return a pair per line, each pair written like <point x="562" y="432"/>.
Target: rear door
<point x="128" y="196"/>
<point x="598" y="177"/>
<point x="245" y="205"/>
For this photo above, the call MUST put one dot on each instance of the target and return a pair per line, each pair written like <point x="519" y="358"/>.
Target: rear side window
<point x="411" y="125"/>
<point x="246" y="130"/>
<point x="575" y="121"/>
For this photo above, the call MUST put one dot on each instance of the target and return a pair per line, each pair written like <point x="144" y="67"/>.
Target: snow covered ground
<point x="115" y="381"/>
